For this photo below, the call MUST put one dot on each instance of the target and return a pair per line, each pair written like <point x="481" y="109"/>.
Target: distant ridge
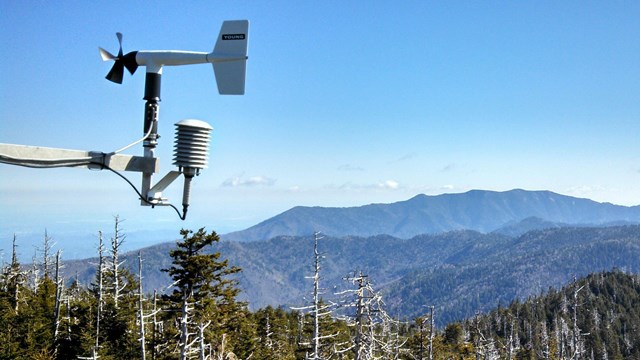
<point x="479" y="210"/>
<point x="459" y="272"/>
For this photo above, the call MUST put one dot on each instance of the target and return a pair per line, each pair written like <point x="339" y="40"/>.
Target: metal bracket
<point x="154" y="195"/>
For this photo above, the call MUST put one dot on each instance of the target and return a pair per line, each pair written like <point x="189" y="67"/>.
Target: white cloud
<point x="238" y="181"/>
<point x="389" y="185"/>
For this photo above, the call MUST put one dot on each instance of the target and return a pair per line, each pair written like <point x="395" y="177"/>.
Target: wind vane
<point x="229" y="60"/>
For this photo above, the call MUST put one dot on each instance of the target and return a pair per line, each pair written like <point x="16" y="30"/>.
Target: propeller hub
<point x="120" y="62"/>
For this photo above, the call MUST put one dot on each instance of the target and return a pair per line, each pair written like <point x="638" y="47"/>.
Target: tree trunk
<point x="141" y="308"/>
<point x="100" y="287"/>
<point x="56" y="311"/>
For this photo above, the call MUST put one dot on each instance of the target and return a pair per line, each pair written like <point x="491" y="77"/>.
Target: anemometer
<point x="229" y="61"/>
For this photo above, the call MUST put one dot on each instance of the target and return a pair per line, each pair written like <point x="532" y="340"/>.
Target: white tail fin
<point x="230" y="54"/>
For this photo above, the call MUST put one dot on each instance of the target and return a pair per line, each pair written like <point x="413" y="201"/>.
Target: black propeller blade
<point x="121" y="61"/>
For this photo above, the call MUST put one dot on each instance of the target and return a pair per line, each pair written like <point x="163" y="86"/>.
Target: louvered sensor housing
<point x="192" y="144"/>
<point x="191" y="152"/>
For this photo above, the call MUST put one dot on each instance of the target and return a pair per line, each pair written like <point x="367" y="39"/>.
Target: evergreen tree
<point x="12" y="292"/>
<point x="114" y="306"/>
<point x="276" y="333"/>
<point x="203" y="299"/>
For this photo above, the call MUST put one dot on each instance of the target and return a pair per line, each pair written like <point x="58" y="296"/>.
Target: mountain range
<point x="520" y="244"/>
<point x="458" y="272"/>
<point x="478" y="210"/>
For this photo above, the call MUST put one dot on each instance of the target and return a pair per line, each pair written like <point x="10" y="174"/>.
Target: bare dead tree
<point x="46" y="254"/>
<point x="545" y="352"/>
<point x="511" y="346"/>
<point x="577" y="337"/>
<point x="185" y="319"/>
<point x="100" y="274"/>
<point x="373" y="336"/>
<point x="202" y="344"/>
<point x="35" y="272"/>
<point x="56" y="316"/>
<point x="358" y="321"/>
<point x="67" y="317"/>
<point x="268" y="333"/>
<point x="485" y="345"/>
<point x="359" y="315"/>
<point x="141" y="313"/>
<point x="15" y="277"/>
<point x="316" y="298"/>
<point x="300" y="333"/>
<point x="317" y="309"/>
<point x="431" y="323"/>
<point x="421" y="331"/>
<point x="158" y="327"/>
<point x="141" y="316"/>
<point x="222" y="353"/>
<point x="116" y="242"/>
<point x="561" y="334"/>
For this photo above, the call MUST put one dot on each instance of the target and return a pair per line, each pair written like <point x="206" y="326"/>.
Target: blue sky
<point x="347" y="103"/>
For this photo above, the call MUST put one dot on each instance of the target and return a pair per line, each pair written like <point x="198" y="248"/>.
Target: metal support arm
<point x="44" y="157"/>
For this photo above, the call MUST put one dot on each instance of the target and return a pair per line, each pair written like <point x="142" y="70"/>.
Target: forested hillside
<point x="597" y="317"/>
<point x="459" y="272"/>
<point x="486" y="276"/>
<point x="116" y="317"/>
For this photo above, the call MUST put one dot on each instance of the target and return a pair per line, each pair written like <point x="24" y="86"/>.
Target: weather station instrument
<point x="229" y="61"/>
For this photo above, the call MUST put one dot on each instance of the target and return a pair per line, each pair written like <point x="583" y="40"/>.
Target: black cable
<point x="47" y="164"/>
<point x="182" y="216"/>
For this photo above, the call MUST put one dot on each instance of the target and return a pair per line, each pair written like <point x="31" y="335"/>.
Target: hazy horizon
<point x="346" y="104"/>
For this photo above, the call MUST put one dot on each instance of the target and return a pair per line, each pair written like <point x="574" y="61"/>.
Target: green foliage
<point x="452" y="334"/>
<point x="27" y="329"/>
<point x="595" y="315"/>
<point x="598" y="314"/>
<point x="204" y="295"/>
<point x="199" y="275"/>
<point x="77" y="337"/>
<point x="275" y="330"/>
<point x="459" y="272"/>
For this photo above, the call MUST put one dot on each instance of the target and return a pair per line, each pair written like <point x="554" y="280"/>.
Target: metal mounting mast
<point x="228" y="58"/>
